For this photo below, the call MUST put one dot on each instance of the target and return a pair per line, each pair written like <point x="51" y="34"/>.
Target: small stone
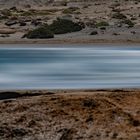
<point x="10" y="23"/>
<point x="94" y="33"/>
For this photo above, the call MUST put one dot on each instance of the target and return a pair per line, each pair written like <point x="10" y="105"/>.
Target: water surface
<point x="43" y="67"/>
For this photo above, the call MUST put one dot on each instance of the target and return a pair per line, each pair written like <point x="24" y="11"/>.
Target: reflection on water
<point x="89" y="67"/>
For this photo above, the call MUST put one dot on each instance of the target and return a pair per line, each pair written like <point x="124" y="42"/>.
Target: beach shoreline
<point x="101" y="42"/>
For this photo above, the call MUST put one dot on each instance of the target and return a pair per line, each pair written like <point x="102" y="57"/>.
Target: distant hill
<point x="23" y="3"/>
<point x="36" y="3"/>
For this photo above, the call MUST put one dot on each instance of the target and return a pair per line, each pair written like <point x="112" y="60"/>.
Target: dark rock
<point x="10" y="132"/>
<point x="103" y="28"/>
<point x="115" y="34"/>
<point x="115" y="135"/>
<point x="24" y="36"/>
<point x="90" y="103"/>
<point x="27" y="19"/>
<point x="8" y="101"/>
<point x="13" y="18"/>
<point x="13" y="8"/>
<point x="50" y="93"/>
<point x="118" y="90"/>
<point x="31" y="123"/>
<point x="67" y="134"/>
<point x="2" y="131"/>
<point x="133" y="32"/>
<point x="22" y="23"/>
<point x="5" y="35"/>
<point x="9" y="95"/>
<point x="94" y="33"/>
<point x="12" y="95"/>
<point x="36" y="22"/>
<point x="136" y="123"/>
<point x="19" y="132"/>
<point x="89" y="119"/>
<point x="10" y="23"/>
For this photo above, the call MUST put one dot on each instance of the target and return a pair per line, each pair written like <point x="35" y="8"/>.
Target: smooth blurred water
<point x="37" y="67"/>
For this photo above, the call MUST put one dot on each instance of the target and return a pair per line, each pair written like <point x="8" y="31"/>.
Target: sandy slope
<point x="72" y="115"/>
<point x="88" y="12"/>
<point x="21" y="3"/>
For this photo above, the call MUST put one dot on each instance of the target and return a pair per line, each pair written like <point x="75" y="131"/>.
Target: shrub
<point x="77" y="12"/>
<point x="128" y="22"/>
<point x="102" y="23"/>
<point x="3" y="17"/>
<point x="6" y="12"/>
<point x="40" y="33"/>
<point x="62" y="26"/>
<point x="70" y="10"/>
<point x="59" y="26"/>
<point x="119" y="16"/>
<point x="27" y="13"/>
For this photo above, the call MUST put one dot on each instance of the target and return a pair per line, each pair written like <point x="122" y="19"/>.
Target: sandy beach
<point x="81" y="37"/>
<point x="70" y="115"/>
<point x="72" y="41"/>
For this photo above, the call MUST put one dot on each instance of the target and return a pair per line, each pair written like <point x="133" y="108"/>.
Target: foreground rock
<point x="72" y="115"/>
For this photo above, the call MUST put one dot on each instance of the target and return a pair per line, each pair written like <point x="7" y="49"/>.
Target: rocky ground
<point x="105" y="21"/>
<point x="70" y="115"/>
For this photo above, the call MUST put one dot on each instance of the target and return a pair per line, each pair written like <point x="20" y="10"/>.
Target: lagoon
<point x="69" y="66"/>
